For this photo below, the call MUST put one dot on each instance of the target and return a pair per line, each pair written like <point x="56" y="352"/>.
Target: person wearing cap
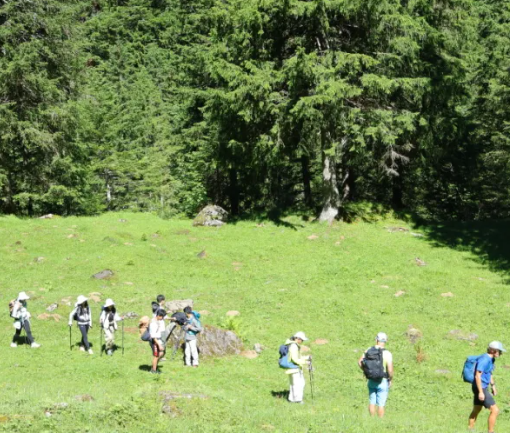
<point x="108" y="321"/>
<point x="156" y="328"/>
<point x="22" y="320"/>
<point x="483" y="378"/>
<point x="83" y="316"/>
<point x="296" y="375"/>
<point x="378" y="389"/>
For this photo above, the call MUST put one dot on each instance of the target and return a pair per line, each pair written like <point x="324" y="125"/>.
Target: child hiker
<point x="191" y="328"/>
<point x="156" y="328"/>
<point x="83" y="316"/>
<point x="108" y="321"/>
<point x="22" y="320"/>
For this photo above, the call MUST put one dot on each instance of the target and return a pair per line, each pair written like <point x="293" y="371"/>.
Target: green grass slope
<point x="336" y="283"/>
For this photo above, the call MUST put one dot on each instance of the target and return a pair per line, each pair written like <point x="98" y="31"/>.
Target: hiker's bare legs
<point x="371" y="409"/>
<point x="380" y="411"/>
<point x="474" y="415"/>
<point x="492" y="417"/>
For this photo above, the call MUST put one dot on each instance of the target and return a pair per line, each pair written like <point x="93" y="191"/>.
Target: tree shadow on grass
<point x="280" y="394"/>
<point x="488" y="240"/>
<point x="274" y="215"/>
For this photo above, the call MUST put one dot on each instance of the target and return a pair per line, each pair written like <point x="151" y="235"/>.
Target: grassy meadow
<point x="338" y="283"/>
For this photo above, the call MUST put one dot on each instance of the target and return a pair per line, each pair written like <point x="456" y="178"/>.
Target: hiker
<point x="296" y="375"/>
<point x="21" y="318"/>
<point x="83" y="316"/>
<point x="191" y="328"/>
<point x="484" y="378"/>
<point x="377" y="364"/>
<point x="156" y="305"/>
<point x="108" y="321"/>
<point x="156" y="328"/>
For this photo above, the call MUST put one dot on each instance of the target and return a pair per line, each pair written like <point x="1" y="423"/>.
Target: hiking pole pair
<point x="310" y="372"/>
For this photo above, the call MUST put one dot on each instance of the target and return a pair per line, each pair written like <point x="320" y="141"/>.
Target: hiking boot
<point x="14" y="344"/>
<point x="82" y="348"/>
<point x="90" y="352"/>
<point x="35" y="345"/>
<point x="109" y="352"/>
<point x="155" y="372"/>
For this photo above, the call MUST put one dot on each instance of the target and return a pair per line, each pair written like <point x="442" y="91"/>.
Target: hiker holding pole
<point x="296" y="374"/>
<point x="108" y="321"/>
<point x="21" y="316"/>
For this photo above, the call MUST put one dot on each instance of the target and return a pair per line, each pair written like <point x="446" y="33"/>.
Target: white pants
<point x="191" y="351"/>
<point x="109" y="337"/>
<point x="297" y="386"/>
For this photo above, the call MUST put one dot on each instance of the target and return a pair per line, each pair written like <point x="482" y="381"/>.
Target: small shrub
<point x="421" y="356"/>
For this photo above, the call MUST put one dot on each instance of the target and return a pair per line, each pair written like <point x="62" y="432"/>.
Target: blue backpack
<point x="197" y="318"/>
<point x="468" y="372"/>
<point x="284" y="362"/>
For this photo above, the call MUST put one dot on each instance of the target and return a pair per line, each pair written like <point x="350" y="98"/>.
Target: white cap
<point x="22" y="296"/>
<point x="108" y="303"/>
<point x="381" y="337"/>
<point x="498" y="345"/>
<point x="81" y="299"/>
<point x="300" y="335"/>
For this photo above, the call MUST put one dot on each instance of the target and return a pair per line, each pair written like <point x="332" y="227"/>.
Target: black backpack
<point x="373" y="365"/>
<point x="155" y="307"/>
<point x="180" y="318"/>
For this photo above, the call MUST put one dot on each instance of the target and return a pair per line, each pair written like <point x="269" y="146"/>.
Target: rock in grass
<point x="103" y="275"/>
<point x="420" y="262"/>
<point x="84" y="397"/>
<point x="130" y="315"/>
<point x="321" y="341"/>
<point x="212" y="341"/>
<point x="257" y="347"/>
<point x="211" y="216"/>
<point x="202" y="254"/>
<point x="443" y="371"/>
<point x="39" y="259"/>
<point x="49" y="216"/>
<point x="177" y="305"/>
<point x="413" y="334"/>
<point x="52" y="307"/>
<point x="457" y="334"/>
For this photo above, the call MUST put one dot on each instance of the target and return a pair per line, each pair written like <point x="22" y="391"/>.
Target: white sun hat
<point x="23" y="296"/>
<point x="81" y="299"/>
<point x="108" y="303"/>
<point x="382" y="337"/>
<point x="300" y="335"/>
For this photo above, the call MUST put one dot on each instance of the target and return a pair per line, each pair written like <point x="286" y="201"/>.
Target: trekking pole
<point x="101" y="340"/>
<point x="122" y="337"/>
<point x="177" y="344"/>
<point x="70" y="338"/>
<point x="310" y="372"/>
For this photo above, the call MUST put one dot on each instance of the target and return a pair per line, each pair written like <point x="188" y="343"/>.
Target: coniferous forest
<point x="323" y="106"/>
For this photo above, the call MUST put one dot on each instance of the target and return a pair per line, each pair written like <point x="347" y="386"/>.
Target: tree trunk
<point x="233" y="192"/>
<point x="332" y="201"/>
<point x="305" y="171"/>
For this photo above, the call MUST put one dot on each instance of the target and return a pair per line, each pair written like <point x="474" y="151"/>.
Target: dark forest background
<point x="334" y="108"/>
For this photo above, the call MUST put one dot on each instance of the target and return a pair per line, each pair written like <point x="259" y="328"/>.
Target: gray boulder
<point x="211" y="341"/>
<point x="103" y="275"/>
<point x="211" y="216"/>
<point x="178" y="305"/>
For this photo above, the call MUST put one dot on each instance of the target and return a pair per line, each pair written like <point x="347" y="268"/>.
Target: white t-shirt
<point x="156" y="328"/>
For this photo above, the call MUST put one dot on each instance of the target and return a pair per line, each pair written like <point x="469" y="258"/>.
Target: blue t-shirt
<point x="485" y="364"/>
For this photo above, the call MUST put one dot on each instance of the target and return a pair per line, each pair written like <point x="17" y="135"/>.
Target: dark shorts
<point x="155" y="349"/>
<point x="489" y="398"/>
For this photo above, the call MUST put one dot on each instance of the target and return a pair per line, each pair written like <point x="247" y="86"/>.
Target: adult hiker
<point x="108" y="321"/>
<point x="296" y="375"/>
<point x="21" y="316"/>
<point x="191" y="328"/>
<point x="83" y="316"/>
<point x="156" y="328"/>
<point x="483" y="378"/>
<point x="377" y="364"/>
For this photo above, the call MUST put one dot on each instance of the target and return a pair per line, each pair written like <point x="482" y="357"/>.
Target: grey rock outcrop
<point x="211" y="216"/>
